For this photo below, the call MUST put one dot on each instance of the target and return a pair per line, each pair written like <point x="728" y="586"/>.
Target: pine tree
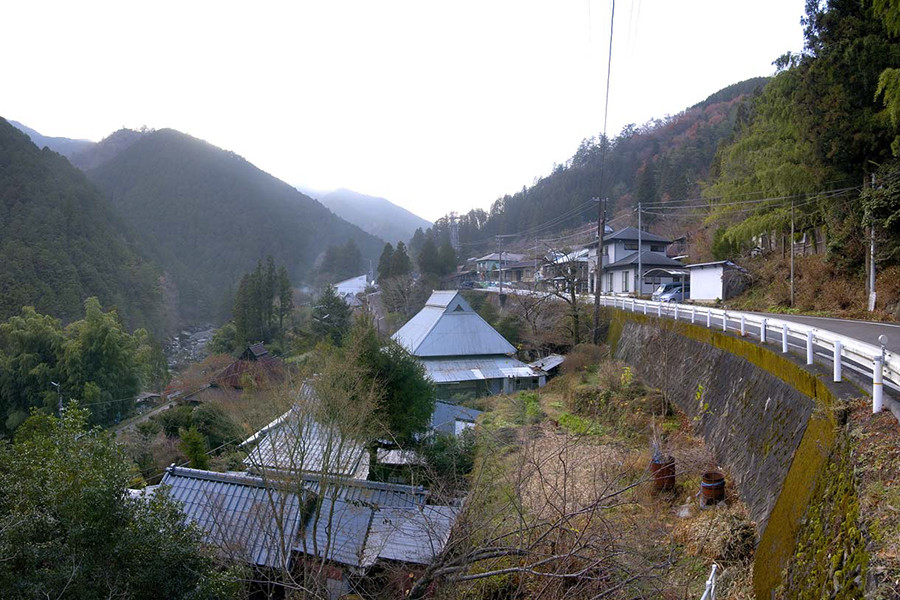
<point x="384" y="263"/>
<point x="400" y="263"/>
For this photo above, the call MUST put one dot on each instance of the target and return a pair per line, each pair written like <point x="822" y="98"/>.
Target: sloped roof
<point x="244" y="517"/>
<point x="495" y="256"/>
<point x="476" y="368"/>
<point x="448" y="326"/>
<point x="548" y="363"/>
<point x="631" y="234"/>
<point x="446" y="415"/>
<point x="411" y="535"/>
<point x="296" y="443"/>
<point x="648" y="259"/>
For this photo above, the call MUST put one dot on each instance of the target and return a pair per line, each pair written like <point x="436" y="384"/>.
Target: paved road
<point x="864" y="331"/>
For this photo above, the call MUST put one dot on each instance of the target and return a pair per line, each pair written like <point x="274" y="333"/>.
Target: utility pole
<point x="598" y="273"/>
<point x="792" y="252"/>
<point x="872" y="259"/>
<point x="638" y="289"/>
<point x="500" y="264"/>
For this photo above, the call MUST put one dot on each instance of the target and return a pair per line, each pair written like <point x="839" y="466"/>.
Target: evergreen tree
<point x="429" y="261"/>
<point x="384" y="263"/>
<point x="330" y="317"/>
<point x="447" y="258"/>
<point x="400" y="263"/>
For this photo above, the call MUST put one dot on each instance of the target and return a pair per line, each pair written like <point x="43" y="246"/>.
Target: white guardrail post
<point x="784" y="338"/>
<point x="710" y="592"/>
<point x="809" y="347"/>
<point x="645" y="308"/>
<point x="837" y="360"/>
<point x="676" y="312"/>
<point x="762" y="331"/>
<point x="709" y="317"/>
<point x="878" y="385"/>
<point x="659" y="309"/>
<point x="743" y="326"/>
<point x="693" y="314"/>
<point x="725" y="321"/>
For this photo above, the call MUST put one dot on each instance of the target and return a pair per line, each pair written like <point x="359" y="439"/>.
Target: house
<point x="719" y="280"/>
<point x="350" y="525"/>
<point x="522" y="271"/>
<point x="488" y="266"/>
<point x="563" y="269"/>
<point x="254" y="363"/>
<point x="348" y="289"/>
<point x="296" y="443"/>
<point x="453" y="419"/>
<point x="461" y="353"/>
<point x="620" y="260"/>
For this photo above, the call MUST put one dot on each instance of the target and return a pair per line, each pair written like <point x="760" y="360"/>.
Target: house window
<point x="657" y="248"/>
<point x="631" y="245"/>
<point x="609" y="277"/>
<point x="626" y="275"/>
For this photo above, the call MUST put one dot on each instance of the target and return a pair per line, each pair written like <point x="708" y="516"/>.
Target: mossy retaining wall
<point x="769" y="420"/>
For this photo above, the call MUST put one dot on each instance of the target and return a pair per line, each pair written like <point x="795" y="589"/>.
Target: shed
<point x="719" y="280"/>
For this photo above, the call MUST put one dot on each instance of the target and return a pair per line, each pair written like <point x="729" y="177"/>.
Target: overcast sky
<point x="437" y="106"/>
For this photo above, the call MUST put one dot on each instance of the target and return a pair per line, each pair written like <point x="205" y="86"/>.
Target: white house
<point x="718" y="280"/>
<point x="621" y="259"/>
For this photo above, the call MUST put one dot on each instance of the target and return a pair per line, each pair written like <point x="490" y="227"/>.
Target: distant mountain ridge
<point x="375" y="215"/>
<point x="65" y="146"/>
<point x="207" y="216"/>
<point x="60" y="241"/>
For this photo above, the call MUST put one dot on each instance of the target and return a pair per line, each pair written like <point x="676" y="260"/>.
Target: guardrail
<point x="877" y="362"/>
<point x="710" y="592"/>
<point x="874" y="362"/>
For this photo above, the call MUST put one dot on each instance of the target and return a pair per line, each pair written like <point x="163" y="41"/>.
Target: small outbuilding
<point x="719" y="280"/>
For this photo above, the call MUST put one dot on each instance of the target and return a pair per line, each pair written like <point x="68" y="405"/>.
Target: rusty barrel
<point x="663" y="474"/>
<point x="712" y="486"/>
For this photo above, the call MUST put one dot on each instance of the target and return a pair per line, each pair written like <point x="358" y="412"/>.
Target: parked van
<point x="672" y="292"/>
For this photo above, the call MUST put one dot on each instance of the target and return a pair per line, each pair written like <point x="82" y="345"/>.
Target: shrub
<point x="583" y="357"/>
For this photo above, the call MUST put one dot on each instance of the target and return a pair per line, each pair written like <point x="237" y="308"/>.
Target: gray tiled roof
<point x="296" y="443"/>
<point x="648" y="259"/>
<point x="448" y="326"/>
<point x="249" y="520"/>
<point x="631" y="234"/>
<point x="355" y="523"/>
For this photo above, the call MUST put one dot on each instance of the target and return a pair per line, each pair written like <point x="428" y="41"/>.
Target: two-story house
<point x="626" y="251"/>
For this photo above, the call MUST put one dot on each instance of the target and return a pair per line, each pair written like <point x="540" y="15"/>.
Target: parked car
<point x="672" y="292"/>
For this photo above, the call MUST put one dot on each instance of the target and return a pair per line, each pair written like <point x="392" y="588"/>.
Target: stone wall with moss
<point x="769" y="420"/>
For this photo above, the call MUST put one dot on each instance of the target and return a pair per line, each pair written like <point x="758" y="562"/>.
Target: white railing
<point x="710" y="592"/>
<point x="882" y="365"/>
<point x="873" y="362"/>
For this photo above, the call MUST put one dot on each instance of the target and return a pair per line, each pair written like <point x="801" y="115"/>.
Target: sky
<point x="437" y="106"/>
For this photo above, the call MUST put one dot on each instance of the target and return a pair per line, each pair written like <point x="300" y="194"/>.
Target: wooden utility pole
<point x="792" y="252"/>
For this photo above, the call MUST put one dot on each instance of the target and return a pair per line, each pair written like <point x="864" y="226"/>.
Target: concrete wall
<point x="769" y="420"/>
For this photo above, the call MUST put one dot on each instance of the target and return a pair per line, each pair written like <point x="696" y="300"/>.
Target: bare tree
<point x="566" y="279"/>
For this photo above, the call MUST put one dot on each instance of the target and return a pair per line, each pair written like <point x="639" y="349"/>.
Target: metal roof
<point x="374" y="494"/>
<point x="446" y="415"/>
<point x="476" y="368"/>
<point x="631" y="234"/>
<point x="725" y="264"/>
<point x="448" y="326"/>
<point x="338" y="531"/>
<point x="295" y="442"/>
<point x="548" y="362"/>
<point x="411" y="535"/>
<point x="247" y="519"/>
<point x="495" y="256"/>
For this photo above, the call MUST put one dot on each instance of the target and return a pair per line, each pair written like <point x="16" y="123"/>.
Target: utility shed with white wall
<point x="718" y="280"/>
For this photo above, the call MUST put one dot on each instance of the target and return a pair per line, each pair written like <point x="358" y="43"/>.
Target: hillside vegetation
<point x="60" y="242"/>
<point x="665" y="159"/>
<point x="207" y="216"/>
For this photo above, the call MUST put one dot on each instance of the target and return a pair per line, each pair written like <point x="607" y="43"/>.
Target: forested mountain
<point x="106" y="149"/>
<point x="818" y="133"/>
<point x="61" y="243"/>
<point x="65" y="146"/>
<point x="207" y="216"/>
<point x="663" y="160"/>
<point x="378" y="216"/>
